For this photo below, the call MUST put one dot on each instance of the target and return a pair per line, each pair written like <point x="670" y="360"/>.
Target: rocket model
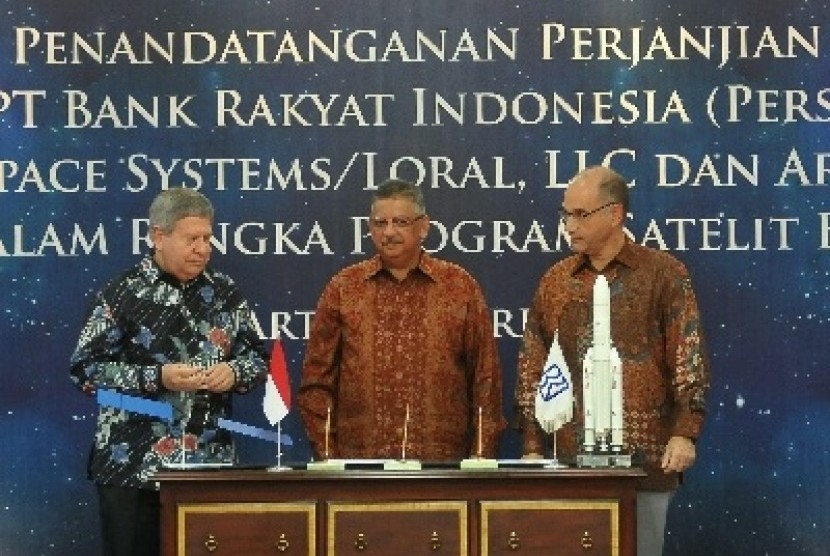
<point x="602" y="382"/>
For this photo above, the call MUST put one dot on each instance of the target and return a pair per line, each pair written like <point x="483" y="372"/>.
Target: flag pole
<point x="279" y="466"/>
<point x="554" y="463"/>
<point x="405" y="427"/>
<point x="183" y="425"/>
<point x="480" y="441"/>
<point x="328" y="432"/>
<point x="279" y="443"/>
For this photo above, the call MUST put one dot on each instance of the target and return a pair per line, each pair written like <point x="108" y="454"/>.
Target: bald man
<point x="655" y="326"/>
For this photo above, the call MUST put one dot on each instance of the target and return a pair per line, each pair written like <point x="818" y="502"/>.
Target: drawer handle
<point x="435" y="541"/>
<point x="513" y="541"/>
<point x="360" y="543"/>
<point x="210" y="544"/>
<point x="587" y="541"/>
<point x="283" y="544"/>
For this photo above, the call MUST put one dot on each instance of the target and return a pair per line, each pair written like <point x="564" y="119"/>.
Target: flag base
<point x="554" y="464"/>
<point x="479" y="463"/>
<point x="603" y="460"/>
<point x="278" y="468"/>
<point x="196" y="465"/>
<point x="401" y="465"/>
<point x="326" y="465"/>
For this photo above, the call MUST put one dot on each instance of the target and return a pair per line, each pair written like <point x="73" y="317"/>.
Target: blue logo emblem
<point x="554" y="382"/>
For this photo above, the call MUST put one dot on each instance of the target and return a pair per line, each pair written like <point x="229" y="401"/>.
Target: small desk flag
<point x="277" y="399"/>
<point x="555" y="395"/>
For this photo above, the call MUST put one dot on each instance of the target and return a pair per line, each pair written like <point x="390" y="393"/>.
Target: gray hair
<point x="400" y="189"/>
<point x="172" y="205"/>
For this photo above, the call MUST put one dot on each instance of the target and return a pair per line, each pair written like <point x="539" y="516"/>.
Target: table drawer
<point x="252" y="529"/>
<point x="397" y="529"/>
<point x="547" y="528"/>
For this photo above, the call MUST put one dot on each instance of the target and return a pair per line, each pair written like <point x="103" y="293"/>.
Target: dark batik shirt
<point x="655" y="326"/>
<point x="378" y="345"/>
<point x="136" y="324"/>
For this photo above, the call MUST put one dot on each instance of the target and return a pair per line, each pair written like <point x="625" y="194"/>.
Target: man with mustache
<point x="401" y="334"/>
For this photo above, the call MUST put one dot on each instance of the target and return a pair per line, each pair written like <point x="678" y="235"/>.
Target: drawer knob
<point x="435" y="541"/>
<point x="210" y="544"/>
<point x="587" y="541"/>
<point x="513" y="541"/>
<point x="360" y="543"/>
<point x="283" y="544"/>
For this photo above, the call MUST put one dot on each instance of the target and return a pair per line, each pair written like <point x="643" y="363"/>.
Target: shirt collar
<point x="426" y="264"/>
<point x="627" y="256"/>
<point x="153" y="273"/>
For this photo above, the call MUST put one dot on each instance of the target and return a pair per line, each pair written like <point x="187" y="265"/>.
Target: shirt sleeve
<point x="485" y="367"/>
<point x="97" y="362"/>
<point x="320" y="371"/>
<point x="250" y="358"/>
<point x="687" y="357"/>
<point x="532" y="356"/>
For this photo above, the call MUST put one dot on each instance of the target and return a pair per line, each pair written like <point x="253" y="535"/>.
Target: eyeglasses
<point x="398" y="222"/>
<point x="582" y="215"/>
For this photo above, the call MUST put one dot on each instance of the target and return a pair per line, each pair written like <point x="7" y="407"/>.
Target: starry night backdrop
<point x="716" y="110"/>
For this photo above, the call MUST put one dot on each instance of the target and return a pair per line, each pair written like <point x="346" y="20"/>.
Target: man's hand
<point x="679" y="454"/>
<point x="218" y="378"/>
<point x="181" y="377"/>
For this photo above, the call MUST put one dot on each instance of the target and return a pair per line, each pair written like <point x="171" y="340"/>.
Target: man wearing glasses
<point x="655" y="327"/>
<point x="399" y="335"/>
<point x="170" y="330"/>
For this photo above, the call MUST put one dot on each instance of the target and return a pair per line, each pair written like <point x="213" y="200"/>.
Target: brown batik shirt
<point x="655" y="326"/>
<point x="379" y="346"/>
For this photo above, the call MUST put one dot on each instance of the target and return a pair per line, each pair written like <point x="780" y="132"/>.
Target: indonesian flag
<point x="277" y="399"/>
<point x="554" y="394"/>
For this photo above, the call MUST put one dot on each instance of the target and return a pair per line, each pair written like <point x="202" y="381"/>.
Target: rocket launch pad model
<point x="602" y="390"/>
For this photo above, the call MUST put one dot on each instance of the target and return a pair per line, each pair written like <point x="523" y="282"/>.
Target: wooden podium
<point x="516" y="511"/>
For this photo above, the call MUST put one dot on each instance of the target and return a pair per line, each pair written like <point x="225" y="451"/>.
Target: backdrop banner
<point x="287" y="114"/>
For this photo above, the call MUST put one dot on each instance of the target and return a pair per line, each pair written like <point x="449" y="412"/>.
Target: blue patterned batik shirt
<point x="139" y="322"/>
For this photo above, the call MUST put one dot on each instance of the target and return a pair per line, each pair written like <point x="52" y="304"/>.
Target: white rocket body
<point x="602" y="381"/>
